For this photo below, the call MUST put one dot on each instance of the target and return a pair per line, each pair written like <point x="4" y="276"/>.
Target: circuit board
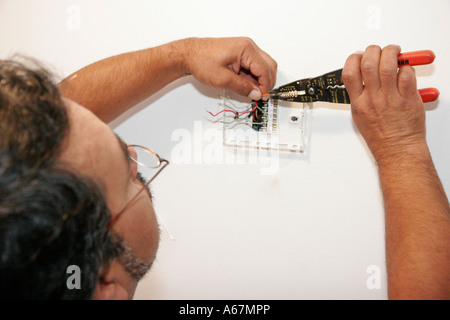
<point x="272" y="124"/>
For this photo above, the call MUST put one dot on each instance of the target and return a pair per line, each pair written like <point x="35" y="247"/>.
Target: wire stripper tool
<point x="330" y="86"/>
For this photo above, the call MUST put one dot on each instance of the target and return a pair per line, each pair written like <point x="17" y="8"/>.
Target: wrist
<point x="186" y="49"/>
<point x="404" y="156"/>
<point x="177" y="54"/>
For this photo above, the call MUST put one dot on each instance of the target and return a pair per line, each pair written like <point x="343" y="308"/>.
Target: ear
<point x="133" y="164"/>
<point x="109" y="291"/>
<point x="109" y="285"/>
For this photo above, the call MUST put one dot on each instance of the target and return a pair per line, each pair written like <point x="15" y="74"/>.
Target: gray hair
<point x="132" y="264"/>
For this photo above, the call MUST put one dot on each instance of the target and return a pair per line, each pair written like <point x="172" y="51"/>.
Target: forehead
<point x="92" y="149"/>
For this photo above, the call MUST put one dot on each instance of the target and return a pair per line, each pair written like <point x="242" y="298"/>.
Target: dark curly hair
<point x="51" y="220"/>
<point x="50" y="217"/>
<point x="33" y="120"/>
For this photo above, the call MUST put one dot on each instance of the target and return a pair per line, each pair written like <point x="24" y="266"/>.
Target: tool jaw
<point x="296" y="91"/>
<point x="328" y="87"/>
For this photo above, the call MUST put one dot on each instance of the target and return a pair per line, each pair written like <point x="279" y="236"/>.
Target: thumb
<point x="407" y="82"/>
<point x="241" y="85"/>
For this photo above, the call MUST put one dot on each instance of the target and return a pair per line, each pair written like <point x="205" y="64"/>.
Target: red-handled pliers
<point x="330" y="86"/>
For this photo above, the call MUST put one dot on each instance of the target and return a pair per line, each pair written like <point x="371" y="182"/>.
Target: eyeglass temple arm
<point x="164" y="164"/>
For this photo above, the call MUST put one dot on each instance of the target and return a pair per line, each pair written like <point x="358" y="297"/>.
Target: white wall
<point x="315" y="228"/>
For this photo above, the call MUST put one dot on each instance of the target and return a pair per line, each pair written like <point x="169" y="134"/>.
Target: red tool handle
<point x="416" y="58"/>
<point x="429" y="94"/>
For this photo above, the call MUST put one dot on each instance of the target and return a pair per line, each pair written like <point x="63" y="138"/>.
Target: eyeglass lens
<point x="145" y="157"/>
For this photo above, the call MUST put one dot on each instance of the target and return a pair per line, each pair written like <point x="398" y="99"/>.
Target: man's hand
<point x="236" y="64"/>
<point x="390" y="115"/>
<point x="386" y="105"/>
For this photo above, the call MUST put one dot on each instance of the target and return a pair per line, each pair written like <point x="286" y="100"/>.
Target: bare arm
<point x="111" y="86"/>
<point x="390" y="115"/>
<point x="417" y="227"/>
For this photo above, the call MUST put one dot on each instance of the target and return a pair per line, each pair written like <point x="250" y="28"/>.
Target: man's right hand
<point x="386" y="105"/>
<point x="390" y="115"/>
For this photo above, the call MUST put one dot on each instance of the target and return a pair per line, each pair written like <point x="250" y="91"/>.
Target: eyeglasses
<point x="146" y="159"/>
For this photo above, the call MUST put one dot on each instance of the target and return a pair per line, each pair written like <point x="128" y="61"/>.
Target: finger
<point x="352" y="77"/>
<point x="229" y="80"/>
<point x="263" y="74"/>
<point x="254" y="60"/>
<point x="388" y="69"/>
<point x="369" y="68"/>
<point x="247" y="75"/>
<point x="407" y="81"/>
<point x="273" y="65"/>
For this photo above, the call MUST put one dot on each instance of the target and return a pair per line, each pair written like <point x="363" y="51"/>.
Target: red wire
<point x="237" y="115"/>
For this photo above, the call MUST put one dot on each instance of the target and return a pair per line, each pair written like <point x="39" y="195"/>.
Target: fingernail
<point x="359" y="52"/>
<point x="255" y="95"/>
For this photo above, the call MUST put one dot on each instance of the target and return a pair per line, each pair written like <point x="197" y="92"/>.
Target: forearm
<point x="111" y="86"/>
<point x="417" y="227"/>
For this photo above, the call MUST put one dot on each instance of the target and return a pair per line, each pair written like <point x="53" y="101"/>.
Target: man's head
<point x="63" y="175"/>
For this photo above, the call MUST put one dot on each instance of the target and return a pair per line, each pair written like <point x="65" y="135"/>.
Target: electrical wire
<point x="237" y="115"/>
<point x="236" y="107"/>
<point x="246" y="119"/>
